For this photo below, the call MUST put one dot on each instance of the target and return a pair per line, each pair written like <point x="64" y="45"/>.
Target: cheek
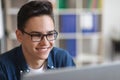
<point x="52" y="43"/>
<point x="27" y="42"/>
<point x="30" y="47"/>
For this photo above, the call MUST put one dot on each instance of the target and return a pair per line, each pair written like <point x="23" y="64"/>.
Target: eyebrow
<point x="41" y="32"/>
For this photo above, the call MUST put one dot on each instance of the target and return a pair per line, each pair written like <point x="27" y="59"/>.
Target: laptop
<point x="109" y="71"/>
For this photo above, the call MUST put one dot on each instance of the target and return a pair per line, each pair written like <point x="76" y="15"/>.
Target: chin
<point x="43" y="54"/>
<point x="43" y="57"/>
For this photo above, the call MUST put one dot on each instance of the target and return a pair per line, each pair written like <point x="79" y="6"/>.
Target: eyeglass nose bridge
<point x="42" y="36"/>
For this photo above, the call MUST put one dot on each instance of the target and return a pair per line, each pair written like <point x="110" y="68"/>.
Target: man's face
<point x="40" y="49"/>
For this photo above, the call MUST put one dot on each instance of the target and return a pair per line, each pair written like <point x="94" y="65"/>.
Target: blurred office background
<point x="88" y="29"/>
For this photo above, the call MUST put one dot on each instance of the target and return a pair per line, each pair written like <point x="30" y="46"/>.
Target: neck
<point x="34" y="62"/>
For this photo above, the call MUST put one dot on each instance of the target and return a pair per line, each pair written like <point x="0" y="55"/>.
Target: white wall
<point x="111" y="20"/>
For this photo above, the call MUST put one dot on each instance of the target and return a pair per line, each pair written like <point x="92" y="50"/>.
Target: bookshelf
<point x="80" y="27"/>
<point x="79" y="23"/>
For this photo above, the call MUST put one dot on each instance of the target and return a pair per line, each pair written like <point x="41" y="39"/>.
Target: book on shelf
<point x="68" y="23"/>
<point x="69" y="45"/>
<point x="92" y="4"/>
<point x="90" y="23"/>
<point x="62" y="4"/>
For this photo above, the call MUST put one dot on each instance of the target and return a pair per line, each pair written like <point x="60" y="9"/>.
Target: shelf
<point x="79" y="36"/>
<point x="85" y="57"/>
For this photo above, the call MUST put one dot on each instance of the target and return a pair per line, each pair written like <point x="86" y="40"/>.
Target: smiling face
<point x="36" y="50"/>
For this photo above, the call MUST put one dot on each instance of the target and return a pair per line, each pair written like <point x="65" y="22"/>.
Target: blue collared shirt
<point x="13" y="64"/>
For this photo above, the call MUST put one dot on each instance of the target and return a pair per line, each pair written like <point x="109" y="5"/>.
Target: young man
<point x="36" y="33"/>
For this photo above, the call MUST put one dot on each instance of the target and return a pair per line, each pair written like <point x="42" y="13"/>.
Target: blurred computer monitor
<point x="98" y="72"/>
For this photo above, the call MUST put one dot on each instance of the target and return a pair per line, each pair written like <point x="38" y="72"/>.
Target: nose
<point x="44" y="40"/>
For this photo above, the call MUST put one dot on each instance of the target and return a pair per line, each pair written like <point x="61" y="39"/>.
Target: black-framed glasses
<point x="36" y="37"/>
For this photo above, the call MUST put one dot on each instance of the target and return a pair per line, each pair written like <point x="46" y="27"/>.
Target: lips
<point x="43" y="49"/>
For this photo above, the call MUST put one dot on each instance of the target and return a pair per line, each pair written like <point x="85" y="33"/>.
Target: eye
<point x="50" y="34"/>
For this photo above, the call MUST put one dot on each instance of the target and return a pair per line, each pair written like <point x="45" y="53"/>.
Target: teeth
<point x="42" y="48"/>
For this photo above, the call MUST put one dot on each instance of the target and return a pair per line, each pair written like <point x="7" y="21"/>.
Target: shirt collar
<point x="22" y="62"/>
<point x="50" y="64"/>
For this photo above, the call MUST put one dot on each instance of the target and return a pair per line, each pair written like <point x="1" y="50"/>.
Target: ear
<point x="19" y="35"/>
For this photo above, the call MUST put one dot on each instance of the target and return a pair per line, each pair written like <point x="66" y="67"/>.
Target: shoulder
<point x="7" y="67"/>
<point x="7" y="61"/>
<point x="60" y="51"/>
<point x="61" y="54"/>
<point x="7" y="57"/>
<point x="61" y="57"/>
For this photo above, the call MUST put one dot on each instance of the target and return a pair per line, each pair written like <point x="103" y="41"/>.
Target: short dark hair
<point x="32" y="9"/>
